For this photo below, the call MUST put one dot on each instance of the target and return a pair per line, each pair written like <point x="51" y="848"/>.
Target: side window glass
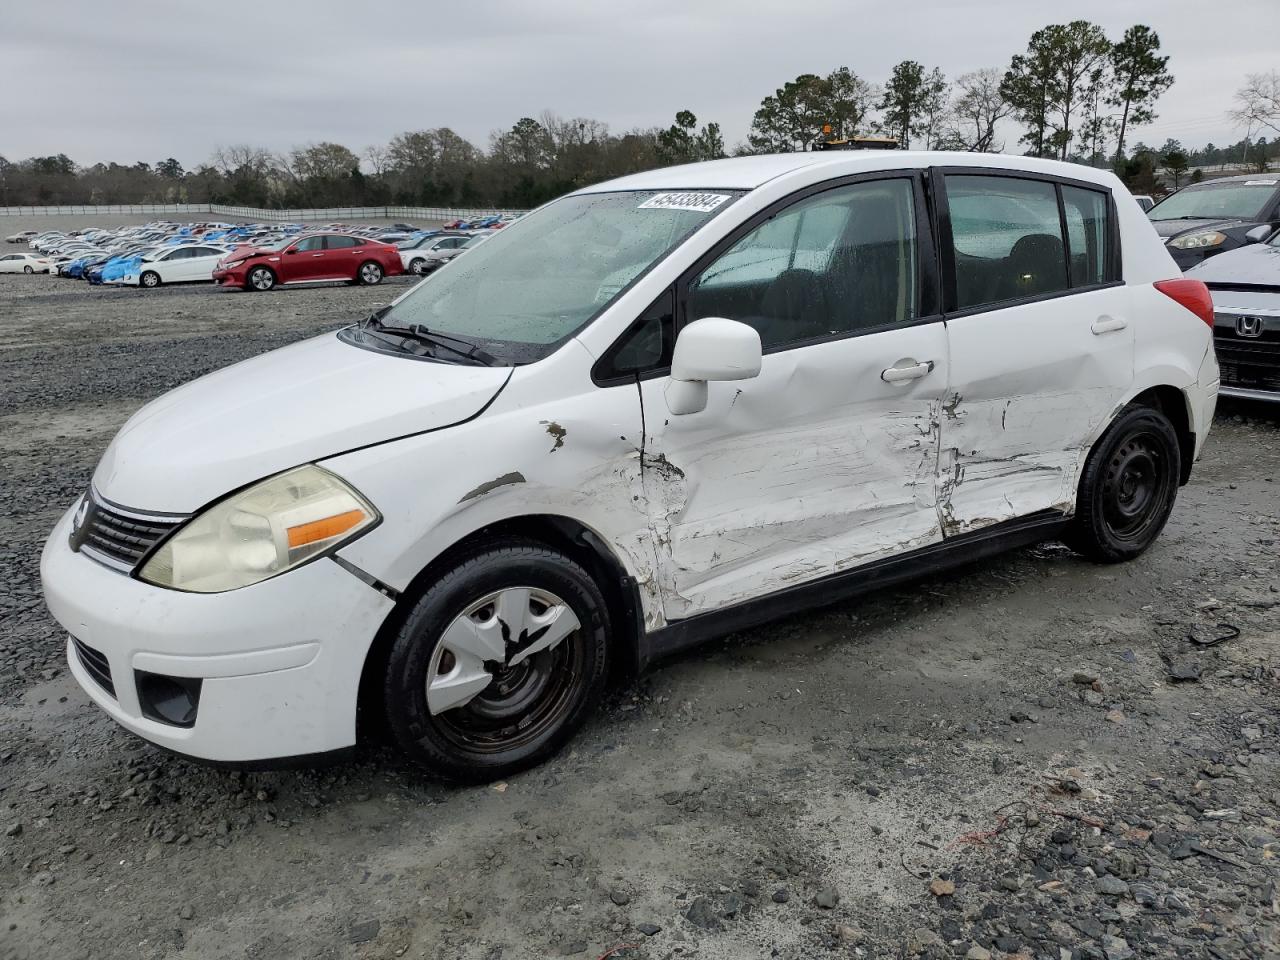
<point x="339" y="243"/>
<point x="646" y="346"/>
<point x="1007" y="237"/>
<point x="310" y="243"/>
<point x="837" y="262"/>
<point x="1086" y="214"/>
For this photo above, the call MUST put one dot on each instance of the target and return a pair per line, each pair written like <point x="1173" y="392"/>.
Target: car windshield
<point x="537" y="282"/>
<point x="1233" y="200"/>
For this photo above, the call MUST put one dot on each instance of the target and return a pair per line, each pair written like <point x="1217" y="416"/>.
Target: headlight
<point x="1196" y="241"/>
<point x="260" y="532"/>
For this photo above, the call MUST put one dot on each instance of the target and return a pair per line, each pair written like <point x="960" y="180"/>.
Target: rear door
<point x="827" y="460"/>
<point x="340" y="257"/>
<point x="1039" y="336"/>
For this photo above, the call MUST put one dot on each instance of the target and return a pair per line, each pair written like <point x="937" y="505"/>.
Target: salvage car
<point x="23" y="263"/>
<point x="1245" y="285"/>
<point x="426" y="253"/>
<point x="310" y="258"/>
<point x="188" y="263"/>
<point x="1205" y="219"/>
<point x="653" y="411"/>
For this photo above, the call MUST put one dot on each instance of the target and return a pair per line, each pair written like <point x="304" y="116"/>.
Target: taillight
<point x="1192" y="294"/>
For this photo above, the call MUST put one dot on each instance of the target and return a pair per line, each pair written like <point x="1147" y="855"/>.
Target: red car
<point x="310" y="258"/>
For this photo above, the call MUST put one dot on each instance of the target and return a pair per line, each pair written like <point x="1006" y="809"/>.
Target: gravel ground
<point x="993" y="762"/>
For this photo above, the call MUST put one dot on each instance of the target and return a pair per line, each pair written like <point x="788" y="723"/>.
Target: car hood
<point x="1258" y="263"/>
<point x="1171" y="228"/>
<point x="295" y="405"/>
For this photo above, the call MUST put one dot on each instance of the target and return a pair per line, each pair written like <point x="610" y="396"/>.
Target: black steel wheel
<point x="1128" y="487"/>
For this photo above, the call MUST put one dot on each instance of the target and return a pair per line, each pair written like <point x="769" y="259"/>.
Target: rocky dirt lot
<point x="1032" y="757"/>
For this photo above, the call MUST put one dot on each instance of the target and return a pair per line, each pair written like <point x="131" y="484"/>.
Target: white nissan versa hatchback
<point x="655" y="410"/>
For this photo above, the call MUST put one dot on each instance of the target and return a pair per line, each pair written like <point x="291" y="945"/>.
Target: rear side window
<point x="1086" y="215"/>
<point x="1007" y="237"/>
<point x="339" y="243"/>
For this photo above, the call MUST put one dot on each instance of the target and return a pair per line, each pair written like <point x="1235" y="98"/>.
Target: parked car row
<point x="254" y="256"/>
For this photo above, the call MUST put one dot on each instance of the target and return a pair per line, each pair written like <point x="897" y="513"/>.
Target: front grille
<point x="117" y="536"/>
<point x="1251" y="364"/>
<point x="96" y="665"/>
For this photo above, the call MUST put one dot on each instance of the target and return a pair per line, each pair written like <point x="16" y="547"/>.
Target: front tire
<point x="150" y="279"/>
<point x="499" y="662"/>
<point x="27" y="270"/>
<point x="261" y="279"/>
<point x="1128" y="487"/>
<point x="418" y="266"/>
<point x="369" y="274"/>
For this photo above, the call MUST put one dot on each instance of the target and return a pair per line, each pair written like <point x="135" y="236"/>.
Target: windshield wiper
<point x="440" y="341"/>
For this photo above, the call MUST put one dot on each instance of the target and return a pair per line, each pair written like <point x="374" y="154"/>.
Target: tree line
<point x="1074" y="93"/>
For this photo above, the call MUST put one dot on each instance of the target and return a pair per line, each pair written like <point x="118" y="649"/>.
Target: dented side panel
<point x="813" y="467"/>
<point x="1030" y="387"/>
<point x="575" y="456"/>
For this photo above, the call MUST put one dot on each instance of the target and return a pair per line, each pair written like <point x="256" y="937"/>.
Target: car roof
<point x="747" y="173"/>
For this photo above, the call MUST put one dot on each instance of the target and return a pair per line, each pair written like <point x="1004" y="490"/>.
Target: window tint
<point x="1086" y="213"/>
<point x="339" y="243"/>
<point x="310" y="243"/>
<point x="837" y="262"/>
<point x="1007" y="237"/>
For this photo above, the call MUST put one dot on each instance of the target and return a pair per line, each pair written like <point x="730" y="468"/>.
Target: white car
<point x="23" y="263"/>
<point x="606" y="434"/>
<point x="425" y="254"/>
<point x="180" y="263"/>
<point x="24" y="236"/>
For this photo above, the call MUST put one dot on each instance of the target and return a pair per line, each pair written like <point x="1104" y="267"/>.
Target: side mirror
<point x="712" y="348"/>
<point x="1258" y="234"/>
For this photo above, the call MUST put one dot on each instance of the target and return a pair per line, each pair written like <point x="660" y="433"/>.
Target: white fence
<point x="256" y="213"/>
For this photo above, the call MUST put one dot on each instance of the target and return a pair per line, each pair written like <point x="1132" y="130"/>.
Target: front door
<point x="303" y="261"/>
<point x="1040" y="342"/>
<point x="828" y="459"/>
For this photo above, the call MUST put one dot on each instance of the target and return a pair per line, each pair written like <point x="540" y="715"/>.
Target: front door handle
<point x="317" y="254"/>
<point x="1105" y="324"/>
<point x="906" y="370"/>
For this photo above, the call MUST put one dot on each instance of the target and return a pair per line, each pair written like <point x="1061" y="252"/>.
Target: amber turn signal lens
<point x="316" y="530"/>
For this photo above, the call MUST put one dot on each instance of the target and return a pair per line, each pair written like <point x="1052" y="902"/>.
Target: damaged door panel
<point x="817" y="465"/>
<point x="1030" y="387"/>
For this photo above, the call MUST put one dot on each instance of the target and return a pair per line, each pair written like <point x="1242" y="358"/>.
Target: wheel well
<point x="1173" y="404"/>
<point x="578" y="542"/>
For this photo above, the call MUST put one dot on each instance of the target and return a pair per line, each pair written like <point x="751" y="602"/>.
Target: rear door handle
<point x="1105" y="324"/>
<point x="906" y="370"/>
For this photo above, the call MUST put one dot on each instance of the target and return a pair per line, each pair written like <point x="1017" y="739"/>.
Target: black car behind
<point x="1205" y="219"/>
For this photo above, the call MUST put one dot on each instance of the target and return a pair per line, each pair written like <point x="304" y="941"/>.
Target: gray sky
<point x="131" y="80"/>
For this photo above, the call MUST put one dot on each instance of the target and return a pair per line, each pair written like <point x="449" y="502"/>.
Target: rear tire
<point x="494" y="717"/>
<point x="1128" y="487"/>
<point x="369" y="274"/>
<point x="260" y="279"/>
<point x="149" y="279"/>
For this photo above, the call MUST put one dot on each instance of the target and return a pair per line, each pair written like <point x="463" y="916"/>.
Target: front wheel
<point x="27" y="269"/>
<point x="150" y="279"/>
<point x="498" y="663"/>
<point x="418" y="266"/>
<point x="370" y="274"/>
<point x="261" y="279"/>
<point x="1128" y="487"/>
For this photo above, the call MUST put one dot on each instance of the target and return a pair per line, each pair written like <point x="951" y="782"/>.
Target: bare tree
<point x="978" y="106"/>
<point x="1258" y="102"/>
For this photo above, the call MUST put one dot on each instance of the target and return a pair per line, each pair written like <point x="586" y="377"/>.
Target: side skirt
<point x="680" y="635"/>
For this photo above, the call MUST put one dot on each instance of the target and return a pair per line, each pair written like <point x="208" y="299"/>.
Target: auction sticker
<point x="697" y="202"/>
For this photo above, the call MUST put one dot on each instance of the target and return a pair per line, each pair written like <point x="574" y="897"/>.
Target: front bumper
<point x="234" y="277"/>
<point x="280" y="660"/>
